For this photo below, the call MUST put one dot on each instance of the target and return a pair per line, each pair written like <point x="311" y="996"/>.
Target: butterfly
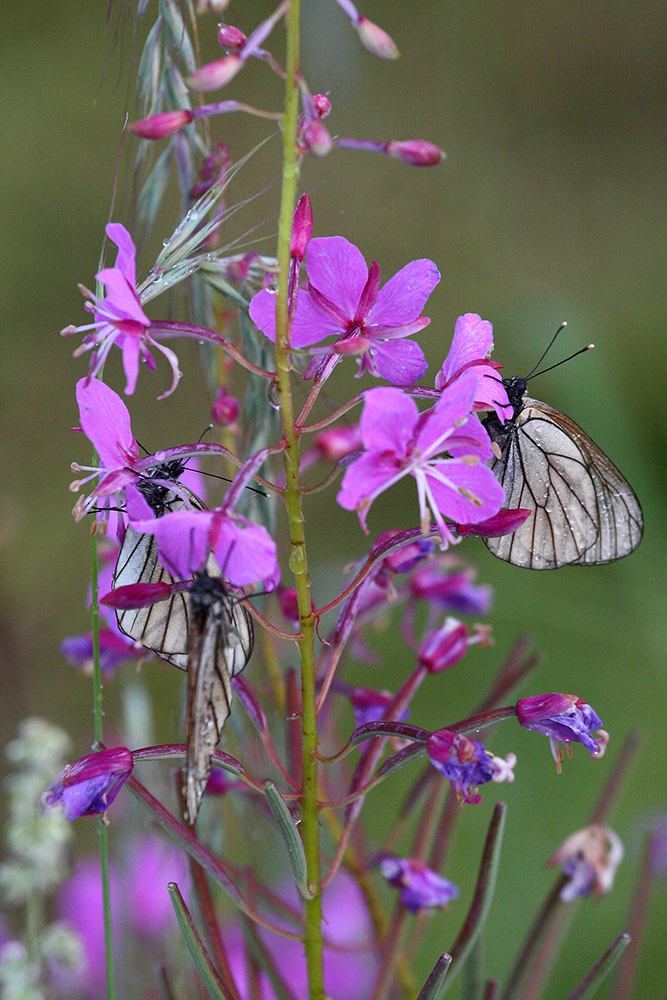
<point x="583" y="511"/>
<point x="204" y="629"/>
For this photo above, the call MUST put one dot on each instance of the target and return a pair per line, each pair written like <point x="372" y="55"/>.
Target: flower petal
<point x="400" y="362"/>
<point x="106" y="422"/>
<point x="404" y="296"/>
<point x="388" y="421"/>
<point x="337" y="269"/>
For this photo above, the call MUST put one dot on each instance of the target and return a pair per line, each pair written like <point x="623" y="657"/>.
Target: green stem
<point x="298" y="559"/>
<point x="102" y="829"/>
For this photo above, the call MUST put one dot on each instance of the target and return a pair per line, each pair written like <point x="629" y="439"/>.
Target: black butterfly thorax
<point x="157" y="495"/>
<point x="499" y="430"/>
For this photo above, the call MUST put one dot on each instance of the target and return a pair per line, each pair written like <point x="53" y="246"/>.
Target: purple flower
<point x="344" y="300"/>
<point x="466" y="763"/>
<point x="421" y="887"/>
<point x="450" y="591"/>
<point x="445" y="646"/>
<point x="590" y="858"/>
<point x="444" y="448"/>
<point x="471" y="349"/>
<point x="114" y="650"/>
<point x="370" y="705"/>
<point x="245" y="551"/>
<point x="120" y="320"/>
<point x="90" y="784"/>
<point x="563" y="718"/>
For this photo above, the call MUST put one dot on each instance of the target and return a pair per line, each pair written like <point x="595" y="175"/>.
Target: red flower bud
<point x="415" y="152"/>
<point x="161" y="126"/>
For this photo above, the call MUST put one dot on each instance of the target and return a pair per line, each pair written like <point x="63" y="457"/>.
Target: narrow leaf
<point x="293" y="841"/>
<point x="589" y="985"/>
<point x="432" y="988"/>
<point x="203" y="964"/>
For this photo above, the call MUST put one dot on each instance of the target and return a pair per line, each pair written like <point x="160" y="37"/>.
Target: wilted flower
<point x="421" y="887"/>
<point x="590" y="858"/>
<point x="90" y="784"/>
<point x="467" y="764"/>
<point x="563" y="718"/>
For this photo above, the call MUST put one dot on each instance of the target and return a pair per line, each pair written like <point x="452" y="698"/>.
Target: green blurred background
<point x="550" y="206"/>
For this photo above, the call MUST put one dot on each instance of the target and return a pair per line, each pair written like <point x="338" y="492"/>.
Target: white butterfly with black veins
<point x="583" y="511"/>
<point x="204" y="629"/>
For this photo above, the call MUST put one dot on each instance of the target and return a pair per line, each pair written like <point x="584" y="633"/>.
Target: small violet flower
<point x="590" y="858"/>
<point x="370" y="705"/>
<point x="245" y="551"/>
<point x="563" y="718"/>
<point x="467" y="764"/>
<point x="471" y="349"/>
<point x="120" y="320"/>
<point x="90" y="784"/>
<point x="444" y="448"/>
<point x="445" y="646"/>
<point x="421" y="887"/>
<point x="344" y="300"/>
<point x="450" y="590"/>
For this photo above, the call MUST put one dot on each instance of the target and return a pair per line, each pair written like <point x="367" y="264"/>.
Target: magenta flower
<point x="370" y="705"/>
<point x="444" y="448"/>
<point x="563" y="718"/>
<point x="344" y="300"/>
<point x="589" y="858"/>
<point x="471" y="349"/>
<point x="120" y="320"/>
<point x="451" y="591"/>
<point x="90" y="784"/>
<point x="421" y="887"/>
<point x="466" y="763"/>
<point x="245" y="551"/>
<point x="444" y="646"/>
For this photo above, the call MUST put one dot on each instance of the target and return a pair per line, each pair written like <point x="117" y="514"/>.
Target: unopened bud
<point x="231" y="38"/>
<point x="136" y="595"/>
<point x="376" y="40"/>
<point x="321" y="105"/>
<point x="215" y="74"/>
<point x="302" y="227"/>
<point x="415" y="152"/>
<point x="315" y="138"/>
<point x="225" y="409"/>
<point x="161" y="126"/>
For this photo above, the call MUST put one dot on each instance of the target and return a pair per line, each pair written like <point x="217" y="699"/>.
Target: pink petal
<point x="125" y="260"/>
<point x="400" y="362"/>
<point x="131" y="350"/>
<point x="106" y="422"/>
<point x="364" y="481"/>
<point x="262" y="311"/>
<point x="313" y="323"/>
<point x="388" y="421"/>
<point x="473" y="338"/>
<point x="404" y="296"/>
<point x="479" y="480"/>
<point x="454" y="404"/>
<point x="182" y="539"/>
<point x="245" y="552"/>
<point x="337" y="269"/>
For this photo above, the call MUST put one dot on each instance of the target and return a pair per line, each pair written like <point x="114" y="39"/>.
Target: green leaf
<point x="291" y="836"/>
<point x="432" y="988"/>
<point x="203" y="964"/>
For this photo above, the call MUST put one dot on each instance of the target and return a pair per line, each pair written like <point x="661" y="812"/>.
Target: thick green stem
<point x="298" y="559"/>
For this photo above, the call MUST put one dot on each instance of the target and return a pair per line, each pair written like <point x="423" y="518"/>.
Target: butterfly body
<point x="583" y="510"/>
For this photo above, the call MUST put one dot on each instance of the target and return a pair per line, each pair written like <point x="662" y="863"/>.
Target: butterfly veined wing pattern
<point x="222" y="639"/>
<point x="163" y="627"/>
<point x="583" y="510"/>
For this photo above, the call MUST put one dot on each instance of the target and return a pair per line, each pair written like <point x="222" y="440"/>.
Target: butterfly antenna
<point x="588" y="347"/>
<point x="548" y="348"/>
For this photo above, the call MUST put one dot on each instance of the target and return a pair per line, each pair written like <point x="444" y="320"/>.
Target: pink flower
<point x="120" y="320"/>
<point x="444" y="448"/>
<point x="344" y="300"/>
<point x="471" y="349"/>
<point x="421" y="887"/>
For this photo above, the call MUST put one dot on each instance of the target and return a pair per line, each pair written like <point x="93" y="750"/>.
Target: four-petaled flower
<point x="444" y="448"/>
<point x="421" y="887"/>
<point x="90" y="784"/>
<point x="120" y="319"/>
<point x="466" y="763"/>
<point x="471" y="349"/>
<point x="563" y="718"/>
<point x="344" y="300"/>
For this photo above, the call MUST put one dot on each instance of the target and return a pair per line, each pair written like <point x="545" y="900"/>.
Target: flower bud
<point x="302" y="227"/>
<point x="136" y="595"/>
<point x="444" y="647"/>
<point x="321" y="105"/>
<point x="415" y="152"/>
<point x="90" y="784"/>
<point x="502" y="523"/>
<point x="225" y="409"/>
<point x="231" y="38"/>
<point x="376" y="40"/>
<point x="163" y="125"/>
<point x="336" y="442"/>
<point x="315" y="139"/>
<point x="215" y="74"/>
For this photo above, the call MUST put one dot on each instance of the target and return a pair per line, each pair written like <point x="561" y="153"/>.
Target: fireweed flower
<point x="445" y="646"/>
<point x="370" y="705"/>
<point x="467" y="764"/>
<point x="421" y="887"/>
<point x="90" y="784"/>
<point x="120" y="320"/>
<point x="344" y="300"/>
<point x="471" y="349"/>
<point x="563" y="718"/>
<point x="450" y="589"/>
<point x="244" y="550"/>
<point x="590" y="858"/>
<point x="444" y="448"/>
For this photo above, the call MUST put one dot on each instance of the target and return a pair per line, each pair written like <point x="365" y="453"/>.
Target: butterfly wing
<point x="583" y="511"/>
<point x="163" y="627"/>
<point x="222" y="643"/>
